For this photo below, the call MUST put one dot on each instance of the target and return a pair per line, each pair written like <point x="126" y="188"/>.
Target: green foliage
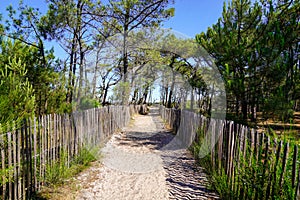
<point x="276" y="107"/>
<point x="121" y="92"/>
<point x="122" y="11"/>
<point x="221" y="185"/>
<point x="86" y="156"/>
<point x="127" y="17"/>
<point x="253" y="176"/>
<point x="16" y="94"/>
<point x="254" y="45"/>
<point x="87" y="103"/>
<point x="76" y="25"/>
<point x="6" y="174"/>
<point x="46" y="83"/>
<point x="58" y="171"/>
<point x="218" y="182"/>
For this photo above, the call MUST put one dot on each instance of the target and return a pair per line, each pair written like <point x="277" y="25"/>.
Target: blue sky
<point x="191" y="16"/>
<point x="194" y="16"/>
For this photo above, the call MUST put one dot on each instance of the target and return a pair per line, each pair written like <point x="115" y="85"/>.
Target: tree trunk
<point x="145" y="95"/>
<point x="72" y="69"/>
<point x="210" y="100"/>
<point x="171" y="91"/>
<point x="80" y="85"/>
<point x="105" y="94"/>
<point x="192" y="99"/>
<point x="237" y="106"/>
<point x="94" y="82"/>
<point x="244" y="107"/>
<point x="74" y="73"/>
<point x="135" y="96"/>
<point x="166" y="95"/>
<point x="81" y="53"/>
<point x="125" y="58"/>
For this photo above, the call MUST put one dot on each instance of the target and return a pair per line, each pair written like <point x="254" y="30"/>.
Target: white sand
<point x="144" y="162"/>
<point x="130" y="171"/>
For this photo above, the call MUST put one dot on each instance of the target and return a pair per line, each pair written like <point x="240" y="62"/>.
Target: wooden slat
<point x="48" y="141"/>
<point x="261" y="150"/>
<point x="294" y="169"/>
<point x="266" y="159"/>
<point x="41" y="164"/>
<point x="229" y="141"/>
<point x="60" y="134"/>
<point x="15" y="164"/>
<point x="252" y="142"/>
<point x="239" y="153"/>
<point x="9" y="158"/>
<point x="3" y="147"/>
<point x="35" y="153"/>
<point x="271" y="167"/>
<point x="275" y="168"/>
<point x="231" y="151"/>
<point x="27" y="159"/>
<point x="297" y="192"/>
<point x="284" y="162"/>
<point x="212" y="142"/>
<point x="220" y="145"/>
<point x="40" y="142"/>
<point x="19" y="146"/>
<point x="51" y="145"/>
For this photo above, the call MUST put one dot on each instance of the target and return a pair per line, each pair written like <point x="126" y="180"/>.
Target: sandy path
<point x="135" y="167"/>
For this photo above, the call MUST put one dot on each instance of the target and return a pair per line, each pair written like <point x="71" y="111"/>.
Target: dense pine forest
<point x="255" y="47"/>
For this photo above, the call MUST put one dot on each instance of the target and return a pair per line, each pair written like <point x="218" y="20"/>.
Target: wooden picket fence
<point x="26" y="153"/>
<point x="256" y="166"/>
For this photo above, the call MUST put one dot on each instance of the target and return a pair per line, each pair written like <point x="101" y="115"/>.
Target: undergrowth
<point x="58" y="171"/>
<point x="254" y="177"/>
<point x="218" y="181"/>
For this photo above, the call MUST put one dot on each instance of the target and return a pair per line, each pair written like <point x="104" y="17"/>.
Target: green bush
<point x="86" y="156"/>
<point x="87" y="103"/>
<point x="58" y="171"/>
<point x="278" y="107"/>
<point x="6" y="174"/>
<point x="252" y="176"/>
<point x="16" y="94"/>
